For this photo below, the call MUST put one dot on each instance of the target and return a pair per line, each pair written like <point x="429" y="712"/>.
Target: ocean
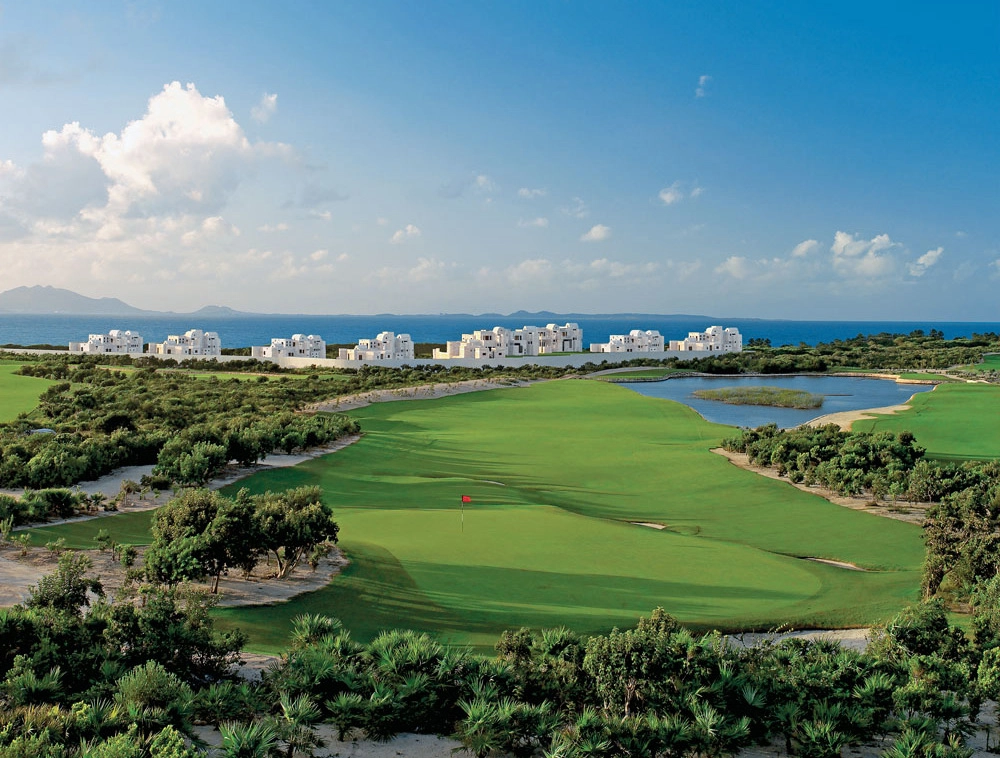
<point x="244" y="331"/>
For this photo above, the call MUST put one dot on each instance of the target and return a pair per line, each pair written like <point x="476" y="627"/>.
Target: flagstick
<point x="463" y="515"/>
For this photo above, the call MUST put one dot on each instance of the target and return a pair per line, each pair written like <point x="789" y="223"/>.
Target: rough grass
<point x="554" y="472"/>
<point x="769" y="396"/>
<point x="18" y="394"/>
<point x="954" y="422"/>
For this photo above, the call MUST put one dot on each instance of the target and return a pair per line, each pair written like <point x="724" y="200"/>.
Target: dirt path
<point x="913" y="513"/>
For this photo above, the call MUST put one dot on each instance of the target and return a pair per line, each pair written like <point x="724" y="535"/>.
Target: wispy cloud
<point x="577" y="209"/>
<point x="920" y="265"/>
<point x="282" y="227"/>
<point x="597" y="233"/>
<point x="538" y="223"/>
<point x="407" y="232"/>
<point x="805" y="247"/>
<point x="530" y="194"/>
<point x="675" y="193"/>
<point x="703" y="81"/>
<point x="266" y="108"/>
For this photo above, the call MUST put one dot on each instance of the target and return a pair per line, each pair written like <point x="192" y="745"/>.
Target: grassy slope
<point x="954" y="422"/>
<point x="18" y="394"/>
<point x="547" y="545"/>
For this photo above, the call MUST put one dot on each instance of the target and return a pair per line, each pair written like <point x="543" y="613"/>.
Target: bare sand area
<point x="913" y="513"/>
<point x="420" y="392"/>
<point x="844" y="419"/>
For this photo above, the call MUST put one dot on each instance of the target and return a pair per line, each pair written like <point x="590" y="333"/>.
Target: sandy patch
<point x="838" y="564"/>
<point x="844" y="419"/>
<point x="649" y="524"/>
<point x="420" y="392"/>
<point x="914" y="513"/>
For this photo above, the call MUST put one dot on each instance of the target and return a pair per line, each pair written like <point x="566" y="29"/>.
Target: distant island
<point x="771" y="396"/>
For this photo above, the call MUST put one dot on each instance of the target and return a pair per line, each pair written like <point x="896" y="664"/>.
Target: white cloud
<point x="266" y="108"/>
<point x="401" y="235"/>
<point x="381" y="221"/>
<point x="539" y="223"/>
<point x="530" y="194"/>
<point x="735" y="266"/>
<point x="961" y="235"/>
<point x="805" y="247"/>
<point x="597" y="233"/>
<point x="675" y="193"/>
<point x="534" y="271"/>
<point x="343" y="257"/>
<point x="282" y="227"/>
<point x="995" y="265"/>
<point x="925" y="261"/>
<point x="211" y="227"/>
<point x="319" y="255"/>
<point x="859" y="258"/>
<point x="577" y="209"/>
<point x="703" y="82"/>
<point x="321" y="215"/>
<point x="482" y="183"/>
<point x="9" y="170"/>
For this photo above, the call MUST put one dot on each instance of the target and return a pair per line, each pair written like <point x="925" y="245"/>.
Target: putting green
<point x="18" y="394"/>
<point x="555" y="471"/>
<point x="954" y="422"/>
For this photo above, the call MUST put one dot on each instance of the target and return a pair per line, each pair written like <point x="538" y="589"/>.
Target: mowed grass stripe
<point x="954" y="422"/>
<point x="575" y="460"/>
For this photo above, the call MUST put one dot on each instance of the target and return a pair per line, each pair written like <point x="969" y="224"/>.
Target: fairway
<point x="555" y="472"/>
<point x="18" y="394"/>
<point x="954" y="422"/>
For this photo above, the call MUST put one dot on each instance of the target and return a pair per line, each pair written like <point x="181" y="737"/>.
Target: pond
<point x="841" y="393"/>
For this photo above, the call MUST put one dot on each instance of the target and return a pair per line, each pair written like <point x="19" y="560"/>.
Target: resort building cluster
<point x="482" y="345"/>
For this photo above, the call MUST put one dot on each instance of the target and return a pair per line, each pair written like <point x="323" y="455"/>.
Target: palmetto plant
<point x="295" y="725"/>
<point x="253" y="740"/>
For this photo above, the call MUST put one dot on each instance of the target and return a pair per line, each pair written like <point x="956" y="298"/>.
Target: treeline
<point x="85" y="676"/>
<point x="962" y="527"/>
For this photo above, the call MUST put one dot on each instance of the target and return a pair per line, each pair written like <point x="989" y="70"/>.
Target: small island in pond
<point x="773" y="396"/>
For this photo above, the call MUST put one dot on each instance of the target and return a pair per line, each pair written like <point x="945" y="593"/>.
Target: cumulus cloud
<point x="538" y="223"/>
<point x="530" y="194"/>
<point x="319" y="255"/>
<point x="534" y="271"/>
<point x="805" y="247"/>
<point x="401" y="235"/>
<point x="597" y="233"/>
<point x="864" y="259"/>
<point x="266" y="108"/>
<point x="919" y="267"/>
<point x="703" y="82"/>
<point x="476" y="184"/>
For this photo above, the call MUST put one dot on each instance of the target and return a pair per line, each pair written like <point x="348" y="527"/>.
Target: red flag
<point x="466" y="499"/>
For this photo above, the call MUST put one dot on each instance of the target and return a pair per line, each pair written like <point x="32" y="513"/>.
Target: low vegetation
<point x="770" y="396"/>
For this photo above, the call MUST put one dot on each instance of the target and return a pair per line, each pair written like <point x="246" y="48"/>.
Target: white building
<point x="299" y="346"/>
<point x="387" y="346"/>
<point x="636" y="341"/>
<point x="116" y="342"/>
<point x="715" y="339"/>
<point x="193" y="342"/>
<point x="500" y="342"/>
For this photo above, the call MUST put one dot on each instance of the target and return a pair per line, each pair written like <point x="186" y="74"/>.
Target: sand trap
<point x="838" y="564"/>
<point x="649" y="524"/>
<point x="844" y="419"/>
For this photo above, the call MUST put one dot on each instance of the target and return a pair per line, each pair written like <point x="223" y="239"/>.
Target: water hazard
<point x="840" y="393"/>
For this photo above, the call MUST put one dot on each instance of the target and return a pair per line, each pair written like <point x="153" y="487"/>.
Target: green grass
<point x="954" y="422"/>
<point x="990" y="363"/>
<point x="127" y="528"/>
<point x="768" y="396"/>
<point x="18" y="394"/>
<point x="645" y="373"/>
<point x="555" y="472"/>
<point x="548" y="545"/>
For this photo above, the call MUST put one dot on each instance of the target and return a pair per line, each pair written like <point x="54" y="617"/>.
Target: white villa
<point x="116" y="341"/>
<point x="636" y="341"/>
<point x="500" y="342"/>
<point x="299" y="346"/>
<point x="193" y="342"/>
<point x="715" y="339"/>
<point x="387" y="346"/>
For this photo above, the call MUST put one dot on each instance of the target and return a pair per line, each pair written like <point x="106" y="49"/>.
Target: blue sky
<point x="792" y="160"/>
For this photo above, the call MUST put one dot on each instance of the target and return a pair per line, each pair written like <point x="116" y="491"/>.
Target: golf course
<point x="556" y="473"/>
<point x="955" y="422"/>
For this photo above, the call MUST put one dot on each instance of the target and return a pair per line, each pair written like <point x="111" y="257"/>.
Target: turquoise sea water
<point x="244" y="331"/>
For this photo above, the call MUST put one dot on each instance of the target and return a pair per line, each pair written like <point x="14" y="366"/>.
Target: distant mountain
<point x="42" y="300"/>
<point x="53" y="300"/>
